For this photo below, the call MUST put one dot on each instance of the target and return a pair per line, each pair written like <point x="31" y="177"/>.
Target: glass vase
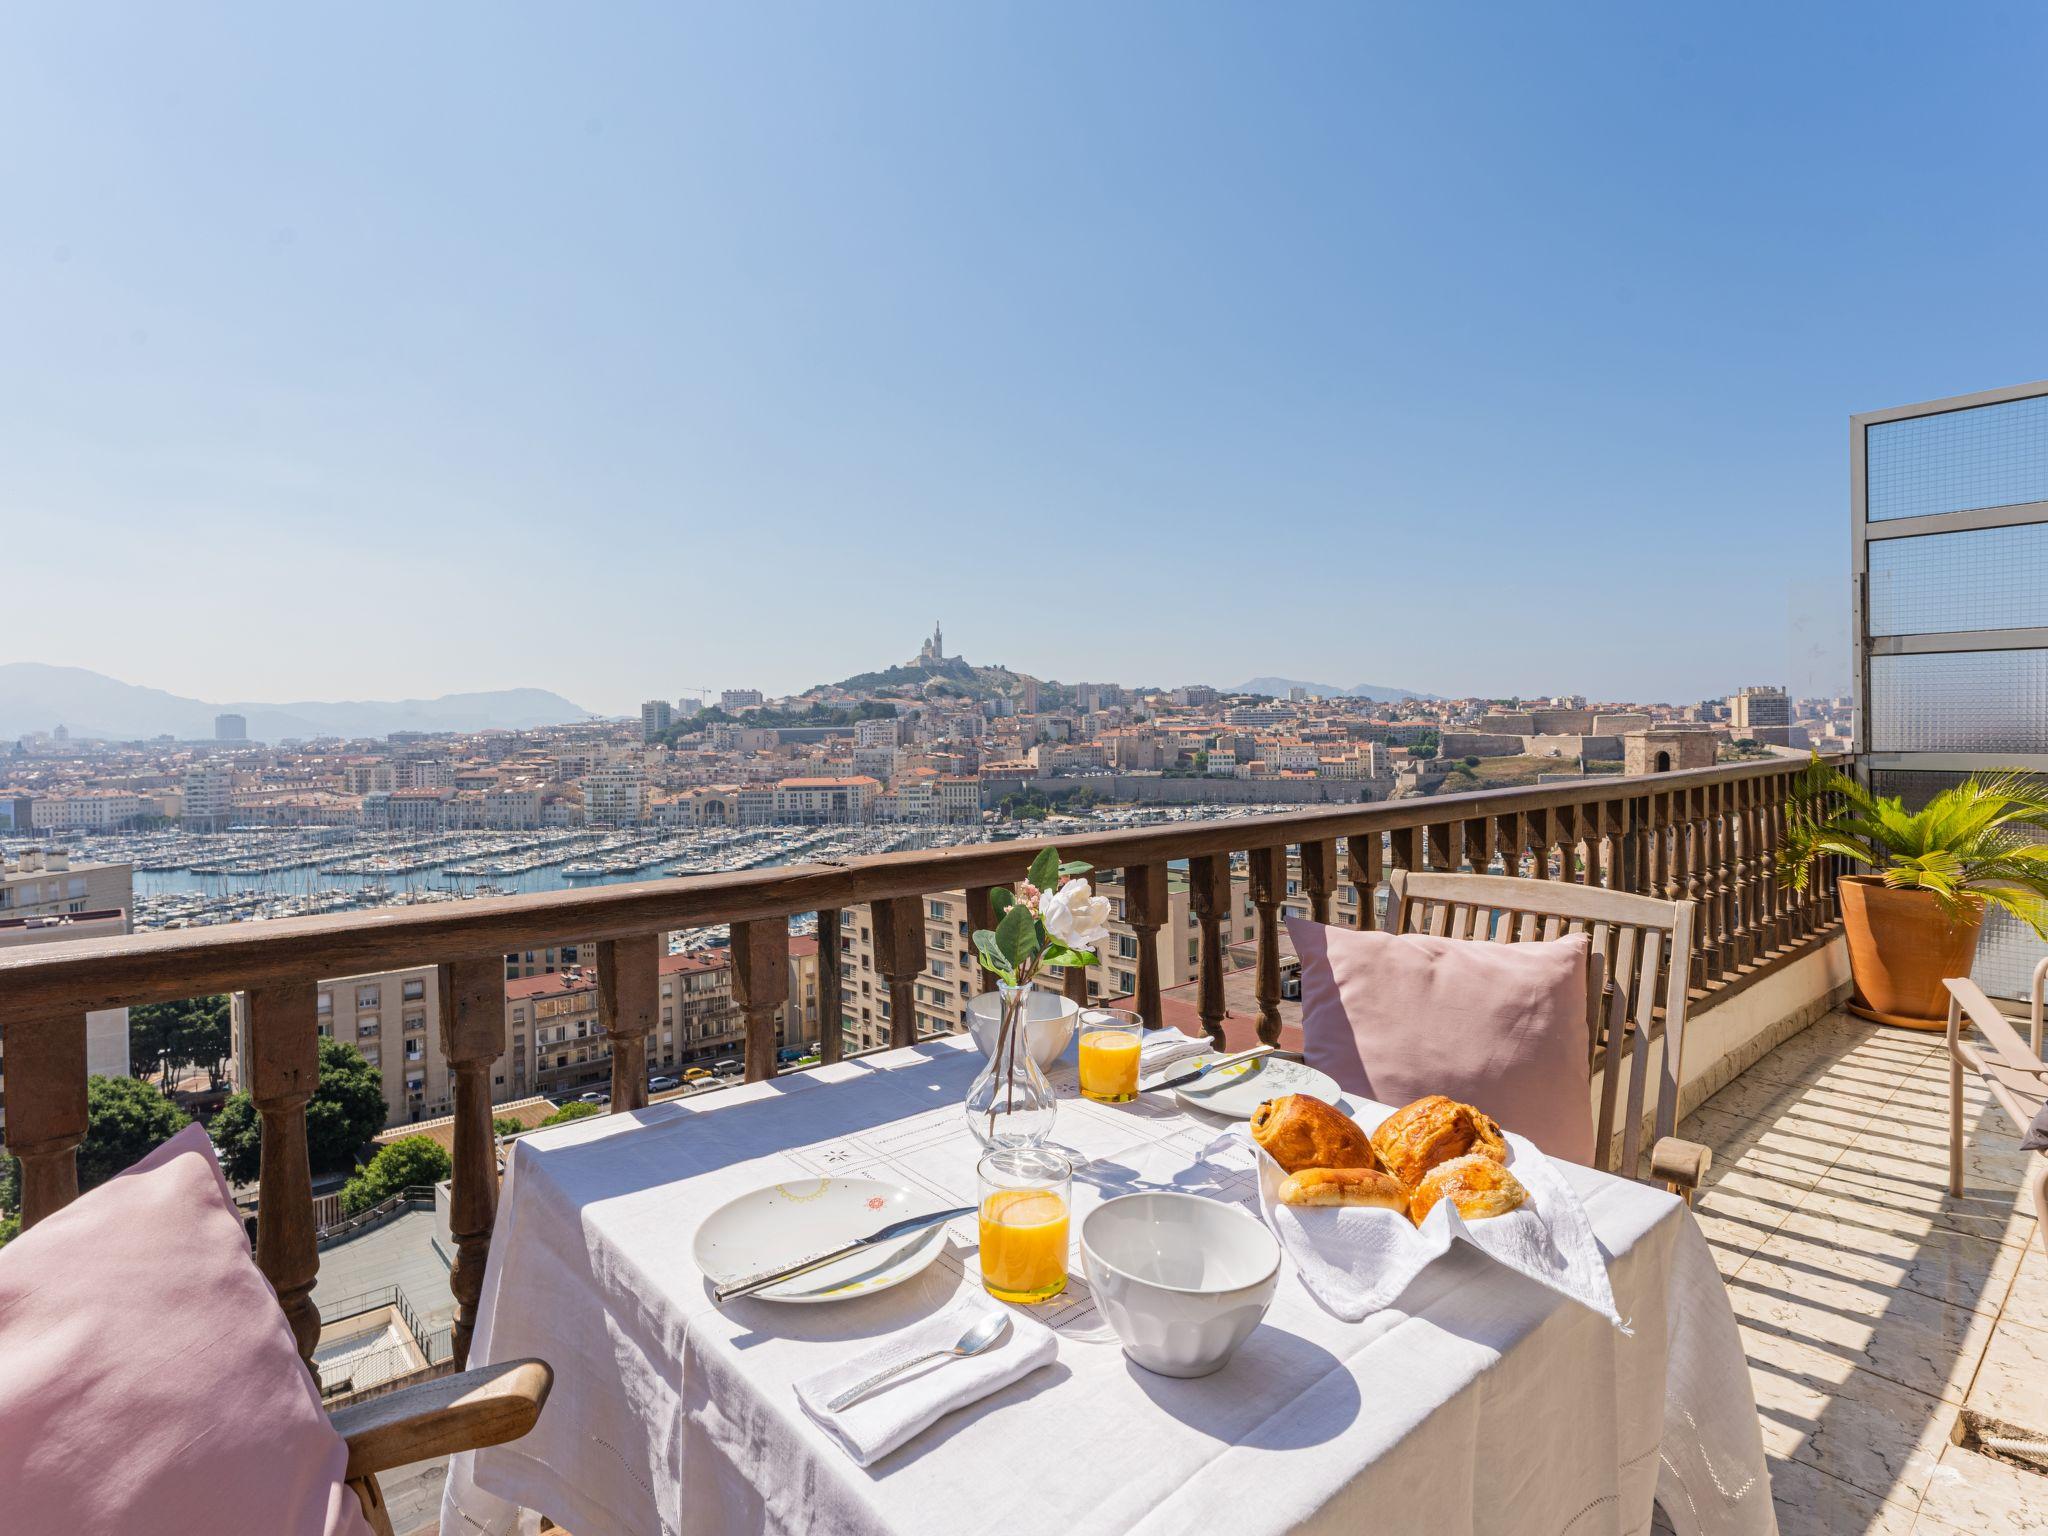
<point x="1011" y="1103"/>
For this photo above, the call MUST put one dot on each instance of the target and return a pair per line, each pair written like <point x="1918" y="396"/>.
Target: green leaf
<point x="992" y="956"/>
<point x="1000" y="900"/>
<point x="1017" y="936"/>
<point x="1064" y="955"/>
<point x="1076" y="867"/>
<point x="1045" y="869"/>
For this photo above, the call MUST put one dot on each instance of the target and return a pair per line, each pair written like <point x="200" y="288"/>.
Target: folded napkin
<point x="1356" y="1259"/>
<point x="1159" y="1049"/>
<point x="874" y="1426"/>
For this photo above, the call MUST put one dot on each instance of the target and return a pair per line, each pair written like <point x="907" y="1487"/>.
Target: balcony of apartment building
<point x="1889" y="1325"/>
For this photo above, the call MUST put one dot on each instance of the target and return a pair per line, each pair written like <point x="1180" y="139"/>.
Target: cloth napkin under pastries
<point x="872" y="1427"/>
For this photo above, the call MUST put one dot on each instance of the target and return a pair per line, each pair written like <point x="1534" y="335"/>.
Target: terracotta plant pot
<point x="1901" y="946"/>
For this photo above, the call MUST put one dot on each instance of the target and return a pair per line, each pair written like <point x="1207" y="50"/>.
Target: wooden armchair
<point x="2016" y="1077"/>
<point x="1641" y="958"/>
<point x="464" y="1412"/>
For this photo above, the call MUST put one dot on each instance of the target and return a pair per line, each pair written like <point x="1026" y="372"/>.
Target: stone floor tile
<point x="1902" y="1336"/>
<point x="1863" y="1199"/>
<point x="1963" y="1271"/>
<point x="1976" y="1493"/>
<point x="1819" y="1409"/>
<point x="1810" y="1503"/>
<point x="2012" y="1382"/>
<point x="2027" y="1301"/>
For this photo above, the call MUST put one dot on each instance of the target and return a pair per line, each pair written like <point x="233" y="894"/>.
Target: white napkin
<point x="1356" y="1259"/>
<point x="1159" y="1049"/>
<point x="874" y="1426"/>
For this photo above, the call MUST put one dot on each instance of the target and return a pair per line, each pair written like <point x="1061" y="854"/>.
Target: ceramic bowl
<point x="1051" y="1019"/>
<point x="1183" y="1279"/>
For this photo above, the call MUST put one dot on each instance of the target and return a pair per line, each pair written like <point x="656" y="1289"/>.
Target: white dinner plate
<point x="787" y="1223"/>
<point x="1237" y="1092"/>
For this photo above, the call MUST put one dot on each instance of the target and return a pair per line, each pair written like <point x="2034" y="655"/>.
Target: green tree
<point x="1471" y="762"/>
<point x="574" y="1111"/>
<point x="346" y="1110"/>
<point x="166" y="1038"/>
<point x="10" y="1229"/>
<point x="397" y="1167"/>
<point x="125" y="1119"/>
<point x="505" y="1125"/>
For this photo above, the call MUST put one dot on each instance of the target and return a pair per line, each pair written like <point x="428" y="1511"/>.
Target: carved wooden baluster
<point x="1441" y="842"/>
<point x="1268" y="890"/>
<point x="1536" y="832"/>
<point x="1564" y="830"/>
<point x="46" y="1117"/>
<point x="1479" y="844"/>
<point x="831" y="1010"/>
<point x="1402" y="848"/>
<point x="472" y="1037"/>
<point x="1770" y="933"/>
<point x="1364" y="858"/>
<point x="1784" y="928"/>
<point x="1209" y="897"/>
<point x="981" y="914"/>
<point x="629" y="1010"/>
<point x="1145" y="908"/>
<point x="284" y="1069"/>
<point x="1074" y="983"/>
<point x="1755" y="923"/>
<point x="1716" y="872"/>
<point x="1319" y="876"/>
<point x="760" y="984"/>
<point x="899" y="956"/>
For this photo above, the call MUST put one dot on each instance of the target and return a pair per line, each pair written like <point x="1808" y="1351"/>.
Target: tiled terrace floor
<point x="1875" y="1307"/>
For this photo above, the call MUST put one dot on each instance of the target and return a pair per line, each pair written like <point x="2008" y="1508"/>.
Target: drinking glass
<point x="1025" y="1195"/>
<point x="1111" y="1039"/>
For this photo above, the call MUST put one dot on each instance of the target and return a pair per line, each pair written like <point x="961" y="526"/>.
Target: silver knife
<point x="753" y="1283"/>
<point x="1207" y="1067"/>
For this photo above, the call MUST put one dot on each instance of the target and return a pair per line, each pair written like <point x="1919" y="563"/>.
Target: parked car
<point x="729" y="1067"/>
<point x="791" y="1053"/>
<point x="595" y="1096"/>
<point x="663" y="1084"/>
<point x="697" y="1074"/>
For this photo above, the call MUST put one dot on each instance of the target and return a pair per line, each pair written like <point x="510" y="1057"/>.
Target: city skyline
<point x="616" y="355"/>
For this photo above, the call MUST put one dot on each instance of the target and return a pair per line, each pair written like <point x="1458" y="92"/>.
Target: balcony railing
<point x="1706" y="835"/>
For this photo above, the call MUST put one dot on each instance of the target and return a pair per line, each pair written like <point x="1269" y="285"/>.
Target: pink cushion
<point x="148" y="1380"/>
<point x="1499" y="1026"/>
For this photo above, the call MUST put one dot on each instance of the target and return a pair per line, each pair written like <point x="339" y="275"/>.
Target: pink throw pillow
<point x="148" y="1379"/>
<point x="1499" y="1026"/>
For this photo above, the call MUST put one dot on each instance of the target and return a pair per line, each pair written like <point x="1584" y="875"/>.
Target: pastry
<point x="1433" y="1130"/>
<point x="1345" y="1186"/>
<point x="1300" y="1132"/>
<point x="1476" y="1184"/>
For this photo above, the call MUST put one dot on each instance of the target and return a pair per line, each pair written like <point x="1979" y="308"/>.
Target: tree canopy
<point x="125" y="1119"/>
<point x="165" y="1039"/>
<point x="397" y="1167"/>
<point x="575" y="1110"/>
<point x="346" y="1110"/>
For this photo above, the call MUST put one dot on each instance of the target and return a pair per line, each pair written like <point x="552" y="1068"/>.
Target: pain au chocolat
<point x="1477" y="1185"/>
<point x="1434" y="1130"/>
<point x="1301" y="1132"/>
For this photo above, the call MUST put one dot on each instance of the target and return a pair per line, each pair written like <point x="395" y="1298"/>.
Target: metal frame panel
<point x="1862" y="532"/>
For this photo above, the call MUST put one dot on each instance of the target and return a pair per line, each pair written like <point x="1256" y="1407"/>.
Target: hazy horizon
<point x="395" y="353"/>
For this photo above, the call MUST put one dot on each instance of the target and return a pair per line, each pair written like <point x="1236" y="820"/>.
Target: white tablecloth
<point x="1482" y="1403"/>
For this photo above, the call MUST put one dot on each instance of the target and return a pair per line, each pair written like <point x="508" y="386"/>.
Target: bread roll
<point x="1300" y="1132"/>
<point x="1434" y="1130"/>
<point x="1345" y="1186"/>
<point x="1476" y="1184"/>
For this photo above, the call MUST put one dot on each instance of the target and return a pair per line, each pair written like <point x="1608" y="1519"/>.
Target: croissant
<point x="1433" y="1130"/>
<point x="1301" y="1132"/>
<point x="1475" y="1183"/>
<point x="1345" y="1186"/>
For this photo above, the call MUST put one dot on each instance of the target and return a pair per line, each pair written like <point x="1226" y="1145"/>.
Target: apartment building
<point x="825" y="801"/>
<point x="92" y="810"/>
<point x="50" y="884"/>
<point x="615" y="793"/>
<point x="952" y="975"/>
<point x="1752" y="709"/>
<point x="656" y="716"/>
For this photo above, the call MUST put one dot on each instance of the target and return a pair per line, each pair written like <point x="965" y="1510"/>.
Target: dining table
<point x="1480" y="1402"/>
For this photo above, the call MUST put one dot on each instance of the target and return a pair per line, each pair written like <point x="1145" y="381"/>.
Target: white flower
<point x="1075" y="915"/>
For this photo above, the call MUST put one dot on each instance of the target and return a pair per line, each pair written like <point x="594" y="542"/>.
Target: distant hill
<point x="950" y="677"/>
<point x="35" y="697"/>
<point x="1279" y="686"/>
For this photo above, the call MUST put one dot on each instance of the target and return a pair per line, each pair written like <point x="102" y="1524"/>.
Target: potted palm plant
<point x="1916" y="917"/>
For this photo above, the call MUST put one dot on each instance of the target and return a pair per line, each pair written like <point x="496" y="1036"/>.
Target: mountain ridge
<point x="1379" y="693"/>
<point x="37" y="696"/>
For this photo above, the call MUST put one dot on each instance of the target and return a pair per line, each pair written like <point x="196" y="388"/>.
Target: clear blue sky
<point x="395" y="349"/>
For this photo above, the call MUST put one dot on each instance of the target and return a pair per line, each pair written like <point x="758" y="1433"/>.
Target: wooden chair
<point x="2016" y="1076"/>
<point x="464" y="1412"/>
<point x="1641" y="958"/>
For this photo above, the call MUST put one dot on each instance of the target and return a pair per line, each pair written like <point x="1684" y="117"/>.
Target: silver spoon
<point x="984" y="1335"/>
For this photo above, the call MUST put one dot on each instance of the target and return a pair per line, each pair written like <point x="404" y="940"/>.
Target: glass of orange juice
<point x="1110" y="1041"/>
<point x="1024" y="1198"/>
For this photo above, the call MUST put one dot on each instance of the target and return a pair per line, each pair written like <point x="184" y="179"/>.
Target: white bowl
<point x="1183" y="1279"/>
<point x="1050" y="1022"/>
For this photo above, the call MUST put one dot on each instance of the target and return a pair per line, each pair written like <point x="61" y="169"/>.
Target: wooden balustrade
<point x="1705" y="835"/>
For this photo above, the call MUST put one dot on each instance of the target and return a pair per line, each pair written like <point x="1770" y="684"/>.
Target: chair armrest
<point x="2007" y="1048"/>
<point x="463" y="1412"/>
<point x="1680" y="1164"/>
